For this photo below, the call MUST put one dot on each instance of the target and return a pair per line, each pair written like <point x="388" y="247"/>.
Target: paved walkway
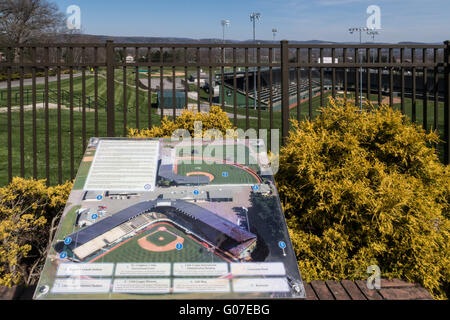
<point x="41" y="105"/>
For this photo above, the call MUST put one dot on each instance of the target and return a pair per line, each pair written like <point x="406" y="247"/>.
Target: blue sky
<point x="401" y="20"/>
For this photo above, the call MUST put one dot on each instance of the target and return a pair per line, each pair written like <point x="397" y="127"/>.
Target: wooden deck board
<point x="394" y="289"/>
<point x="353" y="290"/>
<point x="322" y="291"/>
<point x="337" y="290"/>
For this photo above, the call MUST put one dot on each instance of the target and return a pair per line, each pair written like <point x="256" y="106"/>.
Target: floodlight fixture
<point x="274" y="32"/>
<point x="253" y="17"/>
<point x="360" y="30"/>
<point x="224" y="23"/>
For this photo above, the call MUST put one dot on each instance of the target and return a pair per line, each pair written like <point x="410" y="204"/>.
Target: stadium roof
<point x="216" y="222"/>
<point x="108" y="223"/>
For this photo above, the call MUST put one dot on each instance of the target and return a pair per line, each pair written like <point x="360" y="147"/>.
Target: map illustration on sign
<point x="162" y="219"/>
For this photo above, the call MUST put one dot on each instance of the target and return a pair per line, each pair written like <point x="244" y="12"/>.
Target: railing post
<point x="447" y="102"/>
<point x="110" y="121"/>
<point x="284" y="90"/>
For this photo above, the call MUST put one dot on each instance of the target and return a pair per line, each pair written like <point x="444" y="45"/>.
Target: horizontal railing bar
<point x="196" y="45"/>
<point x="50" y="64"/>
<point x="57" y="45"/>
<point x="238" y="64"/>
<point x="365" y="65"/>
<point x="368" y="46"/>
<point x="227" y="45"/>
<point x="195" y="64"/>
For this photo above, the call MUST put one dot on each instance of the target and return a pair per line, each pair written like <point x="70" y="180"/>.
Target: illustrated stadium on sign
<point x="146" y="208"/>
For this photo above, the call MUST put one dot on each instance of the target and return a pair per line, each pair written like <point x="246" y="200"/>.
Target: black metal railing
<point x="46" y="118"/>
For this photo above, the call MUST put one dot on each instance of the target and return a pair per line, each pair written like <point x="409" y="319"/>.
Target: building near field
<point x="218" y="232"/>
<point x="167" y="100"/>
<point x="220" y="195"/>
<point x="129" y="59"/>
<point x="184" y="194"/>
<point x="93" y="196"/>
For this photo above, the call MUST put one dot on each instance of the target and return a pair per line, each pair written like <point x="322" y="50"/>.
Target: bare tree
<point x="23" y="21"/>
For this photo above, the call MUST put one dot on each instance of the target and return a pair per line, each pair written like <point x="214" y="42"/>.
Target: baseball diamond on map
<point x="192" y="212"/>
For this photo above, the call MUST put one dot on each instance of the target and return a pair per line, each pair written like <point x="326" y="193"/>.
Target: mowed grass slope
<point x="123" y="119"/>
<point x="89" y="123"/>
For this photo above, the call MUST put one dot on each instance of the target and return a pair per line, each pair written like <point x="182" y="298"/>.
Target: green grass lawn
<point x="77" y="89"/>
<point x="68" y="224"/>
<point x="53" y="134"/>
<point x="235" y="175"/>
<point x="161" y="238"/>
<point x="238" y="154"/>
<point x="133" y="119"/>
<point x="132" y="252"/>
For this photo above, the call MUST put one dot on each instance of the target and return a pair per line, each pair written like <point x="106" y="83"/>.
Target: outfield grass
<point x="161" y="238"/>
<point x="238" y="153"/>
<point x="132" y="252"/>
<point x="235" y="175"/>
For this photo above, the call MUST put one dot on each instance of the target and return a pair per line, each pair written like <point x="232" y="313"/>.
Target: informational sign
<point x="162" y="219"/>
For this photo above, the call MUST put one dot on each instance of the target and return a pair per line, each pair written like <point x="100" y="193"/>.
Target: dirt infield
<point x="201" y="173"/>
<point x="150" y="246"/>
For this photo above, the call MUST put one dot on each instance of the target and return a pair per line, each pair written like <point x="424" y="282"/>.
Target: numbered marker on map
<point x="67" y="240"/>
<point x="282" y="245"/>
<point x="179" y="246"/>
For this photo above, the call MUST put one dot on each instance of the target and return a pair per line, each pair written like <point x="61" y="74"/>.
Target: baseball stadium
<point x="198" y="169"/>
<point x="152" y="230"/>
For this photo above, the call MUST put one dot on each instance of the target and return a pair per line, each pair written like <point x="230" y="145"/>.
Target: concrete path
<point x="42" y="106"/>
<point x="39" y="80"/>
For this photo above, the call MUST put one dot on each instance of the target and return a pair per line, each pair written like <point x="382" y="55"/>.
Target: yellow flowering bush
<point x="216" y="119"/>
<point x="29" y="215"/>
<point x="366" y="188"/>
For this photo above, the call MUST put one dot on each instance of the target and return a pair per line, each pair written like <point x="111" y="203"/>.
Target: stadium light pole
<point x="360" y="30"/>
<point x="373" y="33"/>
<point x="225" y="23"/>
<point x="274" y="33"/>
<point x="253" y="17"/>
